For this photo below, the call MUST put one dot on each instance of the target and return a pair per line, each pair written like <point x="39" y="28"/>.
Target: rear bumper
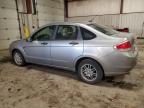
<point x="119" y="63"/>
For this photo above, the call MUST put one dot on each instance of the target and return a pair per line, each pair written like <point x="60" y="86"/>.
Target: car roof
<point x="66" y="23"/>
<point x="69" y="23"/>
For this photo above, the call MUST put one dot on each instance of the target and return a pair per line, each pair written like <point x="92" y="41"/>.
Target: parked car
<point x="92" y="50"/>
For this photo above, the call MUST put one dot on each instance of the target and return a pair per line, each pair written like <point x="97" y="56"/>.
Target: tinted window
<point x="103" y="29"/>
<point x="86" y="34"/>
<point x="44" y="34"/>
<point x="67" y="32"/>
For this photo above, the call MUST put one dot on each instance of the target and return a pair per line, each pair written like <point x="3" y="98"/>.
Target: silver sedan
<point x="91" y="50"/>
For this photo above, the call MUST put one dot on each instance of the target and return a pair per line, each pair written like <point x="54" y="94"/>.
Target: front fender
<point x="17" y="45"/>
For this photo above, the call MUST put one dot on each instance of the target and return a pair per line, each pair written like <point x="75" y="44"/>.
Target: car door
<point x="39" y="47"/>
<point x="67" y="46"/>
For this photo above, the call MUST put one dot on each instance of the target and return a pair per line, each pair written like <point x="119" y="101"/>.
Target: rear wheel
<point x="18" y="58"/>
<point x="90" y="71"/>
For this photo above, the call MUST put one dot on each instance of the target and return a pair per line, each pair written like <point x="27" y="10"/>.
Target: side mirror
<point x="29" y="39"/>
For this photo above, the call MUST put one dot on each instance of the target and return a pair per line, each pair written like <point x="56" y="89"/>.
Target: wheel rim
<point x="89" y="72"/>
<point x="17" y="59"/>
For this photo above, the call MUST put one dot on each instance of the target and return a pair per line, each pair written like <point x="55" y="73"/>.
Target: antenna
<point x="91" y="20"/>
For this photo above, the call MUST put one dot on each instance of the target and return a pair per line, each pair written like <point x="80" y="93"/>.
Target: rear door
<point x="67" y="46"/>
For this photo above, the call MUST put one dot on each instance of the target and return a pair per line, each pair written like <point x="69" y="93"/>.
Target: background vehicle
<point x="91" y="50"/>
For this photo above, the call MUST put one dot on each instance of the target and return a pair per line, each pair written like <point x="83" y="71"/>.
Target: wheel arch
<point x="84" y="58"/>
<point x="15" y="49"/>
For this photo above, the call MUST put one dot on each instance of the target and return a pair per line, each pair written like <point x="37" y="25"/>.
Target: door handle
<point x="73" y="43"/>
<point x="44" y="43"/>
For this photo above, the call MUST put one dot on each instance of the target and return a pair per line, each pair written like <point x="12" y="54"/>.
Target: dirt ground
<point x="37" y="86"/>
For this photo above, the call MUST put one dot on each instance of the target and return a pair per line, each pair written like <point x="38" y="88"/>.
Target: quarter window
<point x="44" y="34"/>
<point x="86" y="34"/>
<point x="67" y="32"/>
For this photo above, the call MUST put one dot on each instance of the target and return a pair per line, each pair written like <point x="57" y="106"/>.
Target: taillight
<point x="124" y="46"/>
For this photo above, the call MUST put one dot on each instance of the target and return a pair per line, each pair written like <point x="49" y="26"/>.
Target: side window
<point x="44" y="34"/>
<point x="86" y="34"/>
<point x="67" y="32"/>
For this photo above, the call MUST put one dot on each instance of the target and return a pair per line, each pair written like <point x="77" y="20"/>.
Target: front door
<point x="38" y="49"/>
<point x="67" y="46"/>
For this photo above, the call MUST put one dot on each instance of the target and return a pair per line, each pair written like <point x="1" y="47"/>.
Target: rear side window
<point x="86" y="34"/>
<point x="67" y="32"/>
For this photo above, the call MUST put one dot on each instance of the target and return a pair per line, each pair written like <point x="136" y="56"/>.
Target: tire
<point x="90" y="71"/>
<point x="18" y="58"/>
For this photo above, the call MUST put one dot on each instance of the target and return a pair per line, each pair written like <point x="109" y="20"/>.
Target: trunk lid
<point x="127" y="37"/>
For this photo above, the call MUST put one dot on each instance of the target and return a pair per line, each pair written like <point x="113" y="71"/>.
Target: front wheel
<point x="90" y="71"/>
<point x="18" y="58"/>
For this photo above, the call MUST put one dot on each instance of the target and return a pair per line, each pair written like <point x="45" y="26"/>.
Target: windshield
<point x="103" y="29"/>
